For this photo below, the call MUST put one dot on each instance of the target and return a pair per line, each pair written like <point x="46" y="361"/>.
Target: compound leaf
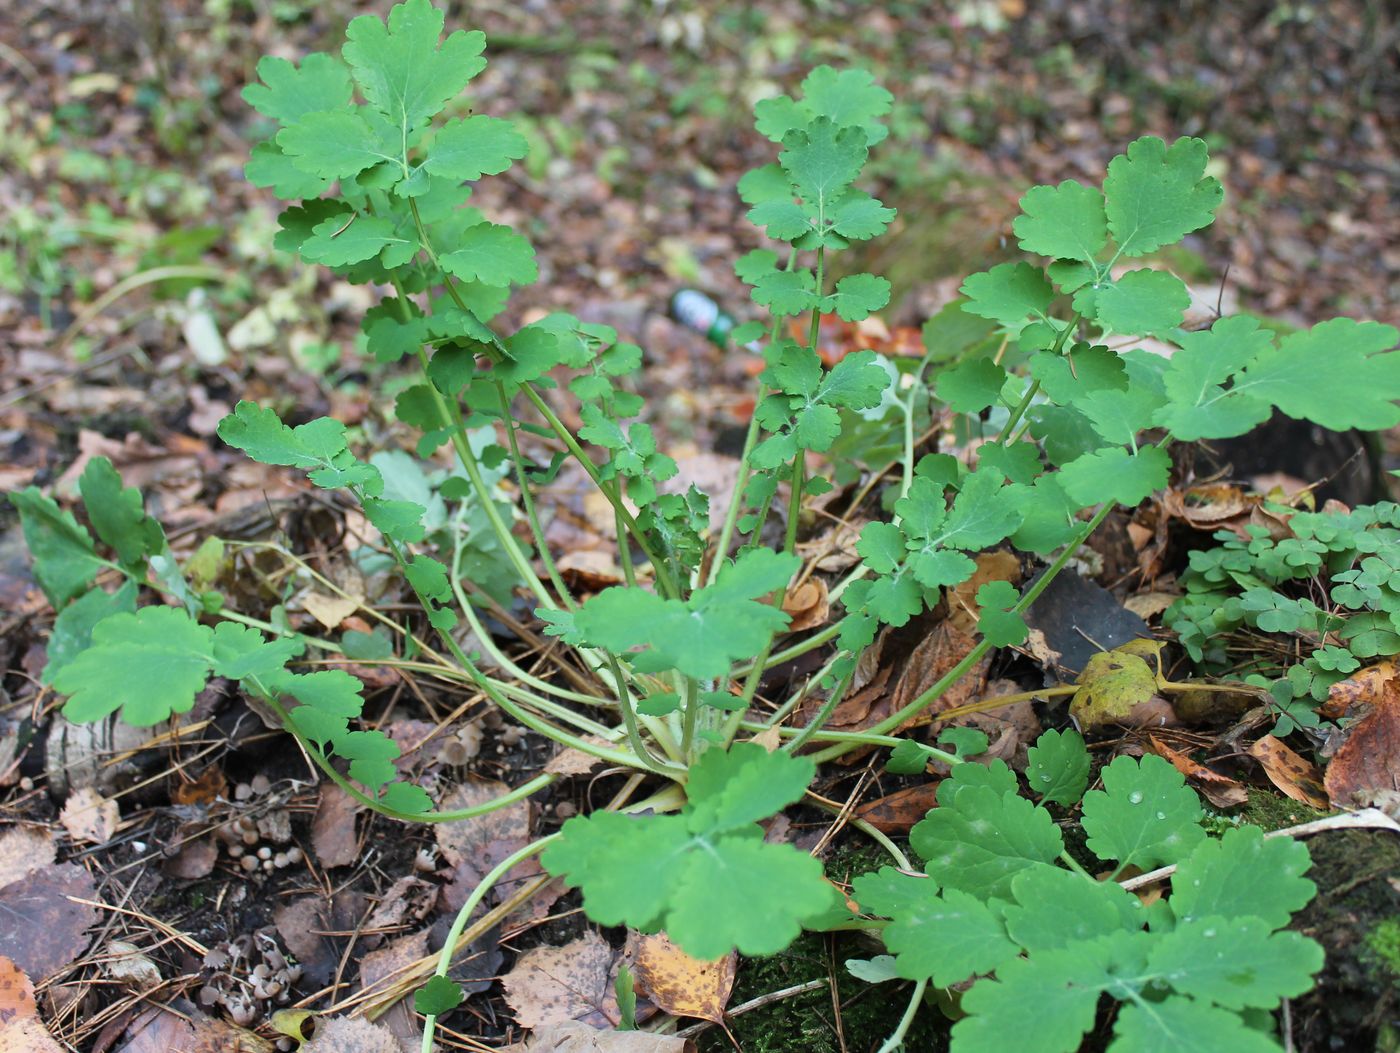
<point x="1142" y="301"/>
<point x="1156" y="195"/>
<point x="65" y="559"/>
<point x="1144" y="816"/>
<point x="1237" y="963"/>
<point x="1219" y="877"/>
<point x="288" y="92"/>
<point x="260" y="434"/>
<point x="1116" y="475"/>
<point x="1055" y="908"/>
<point x="72" y="629"/>
<point x="947" y="938"/>
<point x="1063" y="222"/>
<point x="149" y="665"/>
<point x="1057" y="767"/>
<point x="1009" y="293"/>
<point x="858" y="296"/>
<point x="400" y="68"/>
<point x="493" y="255"/>
<point x="1181" y="1025"/>
<point x="332" y="144"/>
<point x="468" y="149"/>
<point x="743" y="784"/>
<point x="1292" y="376"/>
<point x="981" y="839"/>
<point x="971" y="386"/>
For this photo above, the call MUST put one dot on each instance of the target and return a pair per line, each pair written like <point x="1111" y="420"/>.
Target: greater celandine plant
<point x="377" y="156"/>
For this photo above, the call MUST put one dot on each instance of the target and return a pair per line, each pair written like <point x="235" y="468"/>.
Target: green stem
<point x="459" y="923"/>
<point x="629" y="719"/>
<point x="691" y="716"/>
<point x="823" y="714"/>
<point x="527" y="499"/>
<point x="923" y="701"/>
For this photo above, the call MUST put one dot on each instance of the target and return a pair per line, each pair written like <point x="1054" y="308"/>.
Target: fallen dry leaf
<point x="20" y="1028"/>
<point x="807" y="605"/>
<point x="896" y="813"/>
<point x="573" y="1037"/>
<point x="330" y="611"/>
<point x="90" y="817"/>
<point x="380" y="969"/>
<point x="679" y="984"/>
<point x="1118" y="688"/>
<point x="44" y="928"/>
<point x="208" y="788"/>
<point x="1291" y="773"/>
<point x="554" y="985"/>
<point x="474" y="846"/>
<point x="23" y="849"/>
<point x="1368" y="762"/>
<point x="125" y="964"/>
<point x="195" y="856"/>
<point x="351" y="1034"/>
<point x="1359" y="689"/>
<point x="962" y="599"/>
<point x="1221" y="790"/>
<point x="333" y="833"/>
<point x="569" y="761"/>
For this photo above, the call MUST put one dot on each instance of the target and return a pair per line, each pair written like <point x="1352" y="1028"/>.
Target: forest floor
<point x="140" y="298"/>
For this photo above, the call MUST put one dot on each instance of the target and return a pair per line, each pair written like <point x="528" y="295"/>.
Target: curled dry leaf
<point x="20" y="1028"/>
<point x="125" y="964"/>
<point x="90" y="817"/>
<point x="573" y="1037"/>
<point x="679" y="984"/>
<point x="380" y="969"/>
<point x="1358" y="690"/>
<point x="807" y="605"/>
<point x="44" y="926"/>
<point x="1221" y="790"/>
<point x="474" y="846"/>
<point x="554" y="985"/>
<point x="1211" y="506"/>
<point x="1291" y="773"/>
<point x="1368" y="763"/>
<point x="1147" y="605"/>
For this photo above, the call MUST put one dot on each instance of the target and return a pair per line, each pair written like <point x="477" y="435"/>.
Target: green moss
<point x="1273" y="811"/>
<point x="807" y="1023"/>
<point x="1384" y="943"/>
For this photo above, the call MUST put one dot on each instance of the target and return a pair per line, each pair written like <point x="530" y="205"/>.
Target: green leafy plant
<point x="1002" y="903"/>
<point x="1350" y="560"/>
<point x="1036" y="368"/>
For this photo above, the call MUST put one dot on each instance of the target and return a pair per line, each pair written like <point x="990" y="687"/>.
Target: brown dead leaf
<point x="330" y="611"/>
<point x="483" y="840"/>
<point x="679" y="984"/>
<point x="301" y="923"/>
<point x="1119" y="688"/>
<point x="589" y="569"/>
<point x="1368" y="762"/>
<point x="125" y="964"/>
<point x="573" y="1037"/>
<point x="180" y="1028"/>
<point x="333" y="833"/>
<point x="569" y="761"/>
<point x="24" y="849"/>
<point x="381" y="968"/>
<point x="1146" y="605"/>
<point x="930" y="661"/>
<point x="553" y="985"/>
<point x="963" y="611"/>
<point x="195" y="858"/>
<point x="1359" y="689"/>
<point x="1221" y="790"/>
<point x="351" y="1034"/>
<point x="1211" y="506"/>
<point x="897" y="813"/>
<point x="206" y="789"/>
<point x="90" y="817"/>
<point x="20" y="1028"/>
<point x="807" y="605"/>
<point x="44" y="928"/>
<point x="1288" y="771"/>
